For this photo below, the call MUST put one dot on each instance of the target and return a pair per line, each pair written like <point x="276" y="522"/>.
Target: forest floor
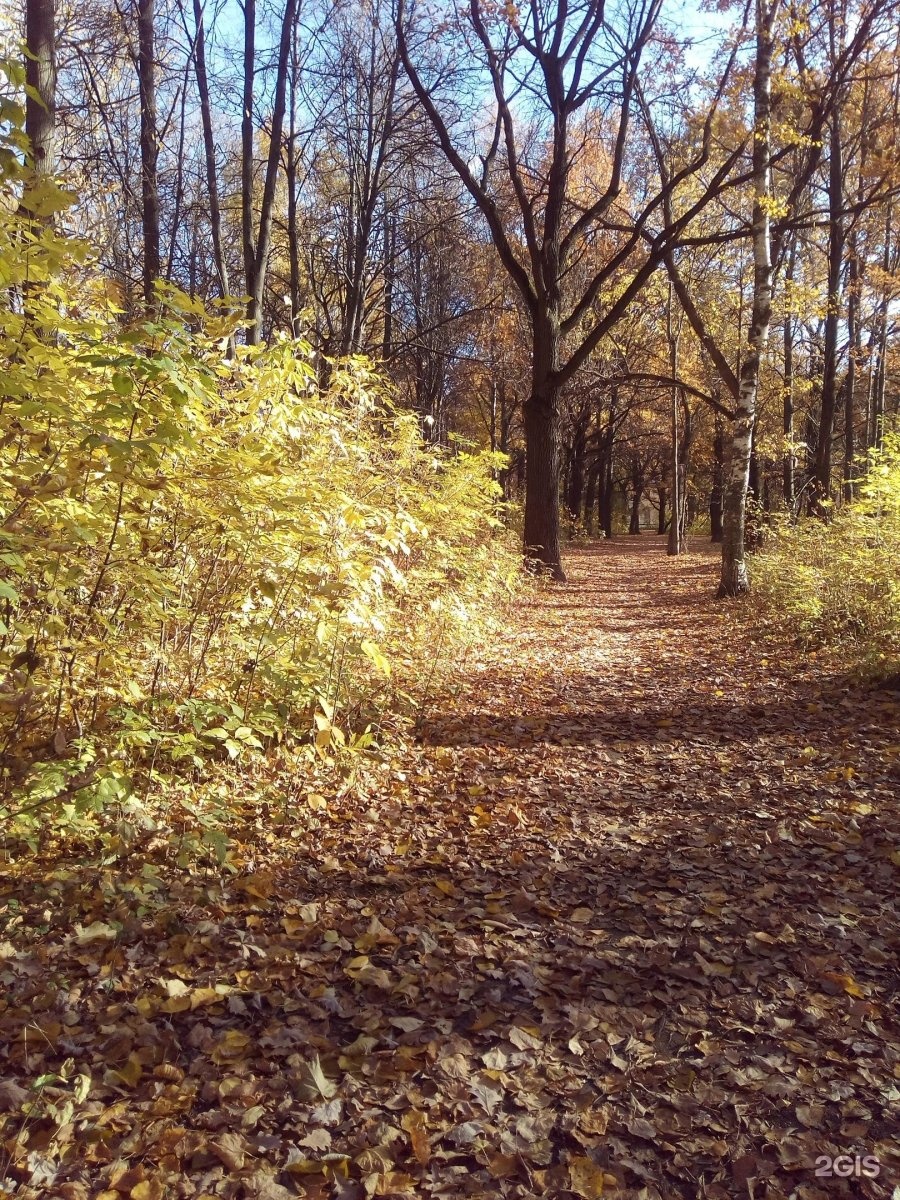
<point x="620" y="923"/>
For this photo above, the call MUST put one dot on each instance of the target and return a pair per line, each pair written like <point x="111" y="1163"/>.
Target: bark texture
<point x="146" y="18"/>
<point x="734" y="578"/>
<point x="209" y="147"/>
<point x="40" y="74"/>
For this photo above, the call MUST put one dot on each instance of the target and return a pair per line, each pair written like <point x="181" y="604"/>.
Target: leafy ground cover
<point x="620" y="921"/>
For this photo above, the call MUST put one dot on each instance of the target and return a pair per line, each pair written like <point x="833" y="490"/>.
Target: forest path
<point x="621" y="923"/>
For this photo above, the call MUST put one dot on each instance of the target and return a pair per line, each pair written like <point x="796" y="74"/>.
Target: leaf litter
<point x="620" y="921"/>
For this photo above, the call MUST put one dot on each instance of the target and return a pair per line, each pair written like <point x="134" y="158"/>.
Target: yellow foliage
<point x="838" y="582"/>
<point x="205" y="557"/>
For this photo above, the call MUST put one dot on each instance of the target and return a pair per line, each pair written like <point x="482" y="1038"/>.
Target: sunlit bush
<point x="207" y="557"/>
<point x="837" y="582"/>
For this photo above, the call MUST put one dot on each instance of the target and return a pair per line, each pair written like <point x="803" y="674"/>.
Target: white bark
<point x="735" y="578"/>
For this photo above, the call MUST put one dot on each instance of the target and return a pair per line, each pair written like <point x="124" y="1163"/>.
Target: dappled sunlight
<point x="626" y="906"/>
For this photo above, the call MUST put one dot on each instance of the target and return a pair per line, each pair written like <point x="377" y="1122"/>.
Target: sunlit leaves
<point x="835" y="582"/>
<point x="209" y="558"/>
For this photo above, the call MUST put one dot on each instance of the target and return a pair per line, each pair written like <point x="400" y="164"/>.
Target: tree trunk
<point x="40" y="101"/>
<point x="854" y="331"/>
<point x="149" y="146"/>
<point x="833" y="316"/>
<point x="853" y="334"/>
<point x="293" y="233"/>
<point x="257" y="282"/>
<point x="661" y="520"/>
<point x="788" y="461"/>
<point x="735" y="579"/>
<point x="209" y="148"/>
<point x="879" y="337"/>
<point x="542" y="421"/>
<point x="248" y="148"/>
<point x="684" y="468"/>
<point x="879" y="384"/>
<point x="542" y="546"/>
<point x="674" y="546"/>
<point x="606" y="490"/>
<point x="390" y="250"/>
<point x="590" y="496"/>
<point x="634" y="523"/>
<point x="575" y="490"/>
<point x="177" y="194"/>
<point x="504" y="476"/>
<point x="753" y="488"/>
<point x="718" y="483"/>
<point x="637" y="476"/>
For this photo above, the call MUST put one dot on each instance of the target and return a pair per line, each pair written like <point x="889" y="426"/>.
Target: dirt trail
<point x="622" y="923"/>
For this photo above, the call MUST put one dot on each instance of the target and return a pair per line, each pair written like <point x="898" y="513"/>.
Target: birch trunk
<point x="734" y="578"/>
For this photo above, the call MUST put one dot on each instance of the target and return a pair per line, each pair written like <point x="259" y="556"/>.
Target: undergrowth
<point x="836" y="582"/>
<point x="215" y="568"/>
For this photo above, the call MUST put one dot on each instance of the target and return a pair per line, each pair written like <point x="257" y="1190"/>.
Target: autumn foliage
<point x="835" y="581"/>
<point x="209" y="555"/>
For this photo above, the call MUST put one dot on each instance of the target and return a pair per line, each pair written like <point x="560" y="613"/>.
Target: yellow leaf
<point x="304" y="1166"/>
<point x="176" y="1004"/>
<point x="231" y="1046"/>
<point x="97" y="931"/>
<point x="259" y="886"/>
<point x="394" y="1183"/>
<point x="413" y="1122"/>
<point x="847" y="982"/>
<point x="588" y="1180"/>
<point x="148" y="1189"/>
<point x="131" y="1073"/>
<point x="202" y="997"/>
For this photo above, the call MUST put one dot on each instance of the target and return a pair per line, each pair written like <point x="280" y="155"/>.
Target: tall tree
<point x="562" y="77"/>
<point x="40" y="99"/>
<point x="834" y="307"/>
<point x="256" y="251"/>
<point x="734" y="578"/>
<point x="146" y="23"/>
<point x="209" y="146"/>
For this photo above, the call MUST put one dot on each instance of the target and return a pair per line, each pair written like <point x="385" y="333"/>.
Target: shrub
<point x="837" y="582"/>
<point x="206" y="558"/>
